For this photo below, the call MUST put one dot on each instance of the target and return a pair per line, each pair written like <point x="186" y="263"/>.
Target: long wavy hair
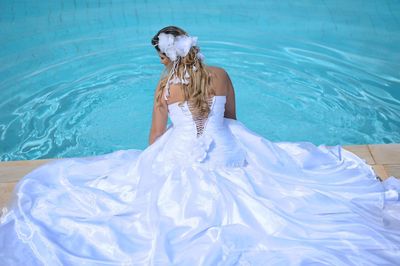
<point x="198" y="91"/>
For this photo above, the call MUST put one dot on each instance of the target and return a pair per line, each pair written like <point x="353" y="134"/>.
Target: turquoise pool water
<point x="77" y="77"/>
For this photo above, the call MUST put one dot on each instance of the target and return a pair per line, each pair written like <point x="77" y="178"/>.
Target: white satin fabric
<point x="229" y="197"/>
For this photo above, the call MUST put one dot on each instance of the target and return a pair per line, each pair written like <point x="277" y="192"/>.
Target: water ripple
<point x="89" y="98"/>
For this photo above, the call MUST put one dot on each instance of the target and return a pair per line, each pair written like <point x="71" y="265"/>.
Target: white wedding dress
<point x="207" y="192"/>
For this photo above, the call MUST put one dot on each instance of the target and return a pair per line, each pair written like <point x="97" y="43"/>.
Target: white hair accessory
<point x="200" y="56"/>
<point x="176" y="47"/>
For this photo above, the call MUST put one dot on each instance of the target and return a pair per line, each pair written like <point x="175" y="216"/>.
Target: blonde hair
<point x="198" y="91"/>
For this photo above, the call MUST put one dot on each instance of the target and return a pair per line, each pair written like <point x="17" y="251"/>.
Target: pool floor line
<point x="384" y="159"/>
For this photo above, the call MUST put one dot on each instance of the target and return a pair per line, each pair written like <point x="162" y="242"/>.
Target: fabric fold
<point x="229" y="197"/>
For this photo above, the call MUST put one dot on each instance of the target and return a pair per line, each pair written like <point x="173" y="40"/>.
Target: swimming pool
<point x="77" y="78"/>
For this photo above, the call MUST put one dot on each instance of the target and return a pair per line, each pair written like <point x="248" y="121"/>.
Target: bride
<point x="206" y="191"/>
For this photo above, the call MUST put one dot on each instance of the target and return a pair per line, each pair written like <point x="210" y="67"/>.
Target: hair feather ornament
<point x="176" y="47"/>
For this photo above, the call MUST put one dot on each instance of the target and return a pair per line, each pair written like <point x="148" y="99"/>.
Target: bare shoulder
<point x="220" y="79"/>
<point x="223" y="86"/>
<point x="218" y="71"/>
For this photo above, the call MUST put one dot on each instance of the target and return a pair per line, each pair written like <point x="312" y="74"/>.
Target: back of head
<point x="186" y="68"/>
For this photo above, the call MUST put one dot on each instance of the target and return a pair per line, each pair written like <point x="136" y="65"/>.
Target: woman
<point x="207" y="191"/>
<point x="202" y="87"/>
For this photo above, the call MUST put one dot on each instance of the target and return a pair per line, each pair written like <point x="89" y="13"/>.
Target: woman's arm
<point x="230" y="106"/>
<point x="159" y="118"/>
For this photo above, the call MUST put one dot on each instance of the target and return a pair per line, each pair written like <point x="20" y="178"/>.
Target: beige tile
<point x="380" y="171"/>
<point x="392" y="169"/>
<point x="5" y="193"/>
<point x="385" y="153"/>
<point x="361" y="151"/>
<point x="12" y="171"/>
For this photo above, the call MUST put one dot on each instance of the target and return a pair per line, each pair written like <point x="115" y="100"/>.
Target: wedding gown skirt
<point x="226" y="197"/>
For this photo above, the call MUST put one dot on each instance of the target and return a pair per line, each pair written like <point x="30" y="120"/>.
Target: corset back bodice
<point x="206" y="140"/>
<point x="182" y="118"/>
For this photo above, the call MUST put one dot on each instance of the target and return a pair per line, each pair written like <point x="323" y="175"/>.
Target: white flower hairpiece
<point x="176" y="47"/>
